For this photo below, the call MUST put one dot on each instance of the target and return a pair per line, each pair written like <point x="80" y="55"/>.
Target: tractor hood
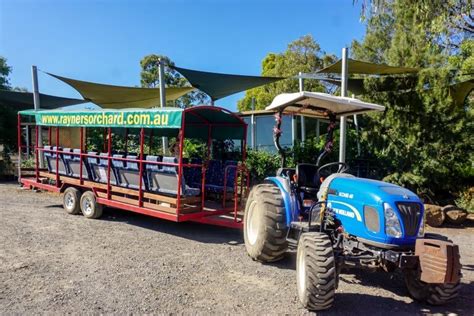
<point x="317" y="104"/>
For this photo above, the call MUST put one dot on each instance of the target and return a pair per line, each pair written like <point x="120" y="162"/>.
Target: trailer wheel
<point x="89" y="206"/>
<point x="71" y="201"/>
<point x="315" y="271"/>
<point x="434" y="294"/>
<point x="265" y="224"/>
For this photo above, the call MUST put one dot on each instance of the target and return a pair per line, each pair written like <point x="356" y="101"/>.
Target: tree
<point x="423" y="139"/>
<point x="304" y="55"/>
<point x="4" y="73"/>
<point x="150" y="78"/>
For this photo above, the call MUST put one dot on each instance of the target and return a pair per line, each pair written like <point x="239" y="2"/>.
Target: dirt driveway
<point x="128" y="263"/>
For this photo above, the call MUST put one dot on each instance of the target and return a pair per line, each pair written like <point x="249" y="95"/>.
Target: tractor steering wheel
<point x="343" y="168"/>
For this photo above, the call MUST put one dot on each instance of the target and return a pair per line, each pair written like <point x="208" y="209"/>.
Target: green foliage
<point x="150" y="79"/>
<point x="5" y="71"/>
<point x="466" y="199"/>
<point x="261" y="164"/>
<point x="302" y="55"/>
<point x="424" y="139"/>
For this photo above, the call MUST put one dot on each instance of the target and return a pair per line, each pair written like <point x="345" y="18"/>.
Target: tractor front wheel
<point x="316" y="276"/>
<point x="434" y="294"/>
<point x="264" y="224"/>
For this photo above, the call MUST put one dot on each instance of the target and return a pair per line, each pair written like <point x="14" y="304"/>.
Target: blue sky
<point x="103" y="41"/>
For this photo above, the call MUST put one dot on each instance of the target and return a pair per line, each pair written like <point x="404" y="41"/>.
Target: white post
<point x="343" y="120"/>
<point x="161" y="72"/>
<point x="27" y="136"/>
<point x="303" y="123"/>
<point x="253" y="138"/>
<point x="293" y="130"/>
<point x="37" y="105"/>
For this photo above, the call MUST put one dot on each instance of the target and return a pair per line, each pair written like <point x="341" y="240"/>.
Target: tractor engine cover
<point x="439" y="261"/>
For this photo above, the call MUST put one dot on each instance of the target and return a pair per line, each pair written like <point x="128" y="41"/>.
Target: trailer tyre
<point x="89" y="206"/>
<point x="71" y="200"/>
<point x="434" y="294"/>
<point x="265" y="224"/>
<point x="316" y="276"/>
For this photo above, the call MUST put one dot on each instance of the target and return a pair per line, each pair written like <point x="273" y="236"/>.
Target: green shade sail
<point x="200" y="121"/>
<point x="24" y="100"/>
<point x="118" y="97"/>
<point x="362" y="67"/>
<point x="218" y="85"/>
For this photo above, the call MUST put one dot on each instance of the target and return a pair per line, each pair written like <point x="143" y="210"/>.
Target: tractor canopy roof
<point x="198" y="121"/>
<point x="317" y="104"/>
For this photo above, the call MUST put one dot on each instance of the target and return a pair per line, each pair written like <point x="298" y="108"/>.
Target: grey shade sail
<point x="362" y="67"/>
<point x="24" y="100"/>
<point x="318" y="105"/>
<point x="218" y="85"/>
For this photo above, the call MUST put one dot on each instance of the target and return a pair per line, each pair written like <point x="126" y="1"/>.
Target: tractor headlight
<point x="392" y="224"/>
<point x="421" y="230"/>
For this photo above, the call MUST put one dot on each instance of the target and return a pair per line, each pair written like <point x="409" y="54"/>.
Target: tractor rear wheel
<point x="434" y="294"/>
<point x="89" y="206"/>
<point x="71" y="198"/>
<point x="316" y="275"/>
<point x="264" y="224"/>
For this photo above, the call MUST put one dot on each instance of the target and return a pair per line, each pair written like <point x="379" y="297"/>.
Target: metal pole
<point x="253" y="139"/>
<point x="27" y="130"/>
<point x="163" y="97"/>
<point x="303" y="123"/>
<point x="343" y="120"/>
<point x="293" y="130"/>
<point x="37" y="105"/>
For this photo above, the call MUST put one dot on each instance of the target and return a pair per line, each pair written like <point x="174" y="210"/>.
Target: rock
<point x="454" y="215"/>
<point x="434" y="215"/>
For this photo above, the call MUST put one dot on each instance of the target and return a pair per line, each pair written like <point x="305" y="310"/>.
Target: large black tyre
<point x="434" y="294"/>
<point x="89" y="206"/>
<point x="71" y="201"/>
<point x="264" y="224"/>
<point x="316" y="275"/>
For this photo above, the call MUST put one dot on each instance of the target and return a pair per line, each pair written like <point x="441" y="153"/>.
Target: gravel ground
<point x="51" y="262"/>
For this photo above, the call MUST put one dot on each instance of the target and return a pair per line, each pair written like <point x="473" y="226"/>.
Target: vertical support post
<point x="57" y="156"/>
<point x="19" y="146"/>
<point x="109" y="160"/>
<point x="140" y="182"/>
<point x="253" y="138"/>
<point x="317" y="128"/>
<point x="293" y="130"/>
<point x="27" y="136"/>
<point x="180" y="165"/>
<point x="36" y="154"/>
<point x="37" y="106"/>
<point x="81" y="180"/>
<point x="303" y="123"/>
<point x="50" y="136"/>
<point x="343" y="119"/>
<point x="161" y="70"/>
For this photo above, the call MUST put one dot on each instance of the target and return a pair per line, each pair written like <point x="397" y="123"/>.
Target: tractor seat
<point x="307" y="181"/>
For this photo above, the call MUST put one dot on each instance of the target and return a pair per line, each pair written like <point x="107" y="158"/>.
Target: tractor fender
<point x="289" y="200"/>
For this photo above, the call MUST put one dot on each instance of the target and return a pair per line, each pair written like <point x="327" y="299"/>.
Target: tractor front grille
<point x="410" y="213"/>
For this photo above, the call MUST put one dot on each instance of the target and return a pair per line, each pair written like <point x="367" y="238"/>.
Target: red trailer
<point x="172" y="185"/>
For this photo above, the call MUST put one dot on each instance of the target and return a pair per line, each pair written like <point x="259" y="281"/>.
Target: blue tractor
<point x="335" y="220"/>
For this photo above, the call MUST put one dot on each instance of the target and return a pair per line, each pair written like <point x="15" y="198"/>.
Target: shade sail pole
<point x="36" y="101"/>
<point x="343" y="120"/>
<point x="303" y="125"/>
<point x="161" y="68"/>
